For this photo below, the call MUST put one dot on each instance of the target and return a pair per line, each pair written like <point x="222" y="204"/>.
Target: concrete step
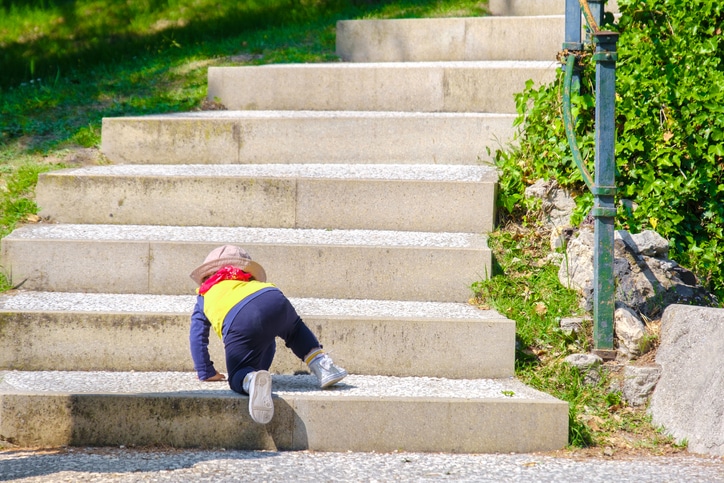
<point x="362" y="413"/>
<point x="536" y="7"/>
<point x="451" y="39"/>
<point x="256" y="137"/>
<point x="416" y="197"/>
<point x="131" y="332"/>
<point x="482" y="86"/>
<point x="350" y="264"/>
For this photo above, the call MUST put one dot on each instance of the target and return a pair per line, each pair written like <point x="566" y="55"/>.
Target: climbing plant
<point x="669" y="131"/>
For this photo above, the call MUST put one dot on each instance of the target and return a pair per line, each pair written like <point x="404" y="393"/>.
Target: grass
<point x="65" y="67"/>
<point x="526" y="289"/>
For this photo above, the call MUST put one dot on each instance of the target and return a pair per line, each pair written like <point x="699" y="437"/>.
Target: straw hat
<point x="228" y="255"/>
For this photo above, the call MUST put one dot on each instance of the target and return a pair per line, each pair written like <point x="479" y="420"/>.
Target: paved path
<point x="125" y="465"/>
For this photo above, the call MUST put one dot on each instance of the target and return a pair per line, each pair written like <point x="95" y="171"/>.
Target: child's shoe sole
<point x="261" y="406"/>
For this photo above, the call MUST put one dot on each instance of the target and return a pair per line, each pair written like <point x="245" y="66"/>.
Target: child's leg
<point x="249" y="353"/>
<point x="240" y="362"/>
<point x="283" y="319"/>
<point x="249" y="347"/>
<point x="250" y="339"/>
<point x="300" y="339"/>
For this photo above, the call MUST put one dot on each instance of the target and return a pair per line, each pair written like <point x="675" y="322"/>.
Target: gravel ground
<point x="403" y="172"/>
<point x="130" y="465"/>
<point x="184" y="304"/>
<point x="242" y="235"/>
<point x="353" y="386"/>
<point x="262" y="114"/>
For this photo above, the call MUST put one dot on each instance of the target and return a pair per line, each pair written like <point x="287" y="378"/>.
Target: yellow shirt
<point x="224" y="295"/>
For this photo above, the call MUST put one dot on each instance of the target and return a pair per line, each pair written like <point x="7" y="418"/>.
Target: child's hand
<point x="216" y="377"/>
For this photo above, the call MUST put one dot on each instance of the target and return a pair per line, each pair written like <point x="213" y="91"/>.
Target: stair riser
<point x="57" y="341"/>
<point x="536" y="7"/>
<point x="272" y="202"/>
<point x="450" y="39"/>
<point x="325" y="271"/>
<point x="461" y="87"/>
<point x="326" y="423"/>
<point x="350" y="140"/>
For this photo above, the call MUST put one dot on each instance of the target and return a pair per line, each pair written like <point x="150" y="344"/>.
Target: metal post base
<point x="605" y="354"/>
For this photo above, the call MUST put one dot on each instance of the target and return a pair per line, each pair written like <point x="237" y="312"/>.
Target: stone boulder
<point x="646" y="280"/>
<point x="639" y="382"/>
<point x="557" y="204"/>
<point x="630" y="332"/>
<point x="556" y="208"/>
<point x="588" y="365"/>
<point x="689" y="398"/>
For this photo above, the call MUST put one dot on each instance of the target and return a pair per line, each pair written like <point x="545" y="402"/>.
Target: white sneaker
<point x="261" y="406"/>
<point x="326" y="371"/>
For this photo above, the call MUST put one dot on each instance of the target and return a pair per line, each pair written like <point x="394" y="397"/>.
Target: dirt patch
<point x="77" y="156"/>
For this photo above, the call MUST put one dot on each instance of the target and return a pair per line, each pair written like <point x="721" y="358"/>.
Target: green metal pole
<point x="573" y="38"/>
<point x="604" y="209"/>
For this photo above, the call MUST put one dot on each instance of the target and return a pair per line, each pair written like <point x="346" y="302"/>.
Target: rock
<point x="576" y="270"/>
<point x="646" y="284"/>
<point x="647" y="243"/>
<point x="557" y="203"/>
<point x="588" y="365"/>
<point x="584" y="361"/>
<point x="639" y="382"/>
<point x="688" y="400"/>
<point x="572" y="325"/>
<point x="630" y="332"/>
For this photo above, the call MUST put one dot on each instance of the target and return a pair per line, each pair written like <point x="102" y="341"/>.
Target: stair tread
<point x="454" y="64"/>
<point x="396" y="172"/>
<point x="490" y="18"/>
<point x="32" y="301"/>
<point x="241" y="235"/>
<point x="186" y="384"/>
<point x="308" y="114"/>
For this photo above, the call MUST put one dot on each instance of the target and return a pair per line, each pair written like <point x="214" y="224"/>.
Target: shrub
<point x="669" y="131"/>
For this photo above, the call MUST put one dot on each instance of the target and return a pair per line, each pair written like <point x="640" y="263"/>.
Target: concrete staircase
<point x="363" y="190"/>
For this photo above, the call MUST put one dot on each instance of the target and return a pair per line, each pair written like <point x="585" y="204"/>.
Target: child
<point x="248" y="314"/>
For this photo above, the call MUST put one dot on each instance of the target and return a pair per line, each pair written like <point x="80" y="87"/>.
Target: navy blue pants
<point x="250" y="342"/>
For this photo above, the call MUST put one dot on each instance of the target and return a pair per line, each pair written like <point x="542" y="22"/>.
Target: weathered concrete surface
<point x="275" y="196"/>
<point x="481" y="86"/>
<point x="483" y="344"/>
<point x="157" y="260"/>
<point x="277" y="137"/>
<point x="688" y="399"/>
<point x="360" y="414"/>
<point x="446" y="39"/>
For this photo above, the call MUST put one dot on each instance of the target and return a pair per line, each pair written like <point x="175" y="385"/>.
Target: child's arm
<point x="199" y="343"/>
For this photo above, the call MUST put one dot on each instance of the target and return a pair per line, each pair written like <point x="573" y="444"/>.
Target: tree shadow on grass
<point x="84" y="35"/>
